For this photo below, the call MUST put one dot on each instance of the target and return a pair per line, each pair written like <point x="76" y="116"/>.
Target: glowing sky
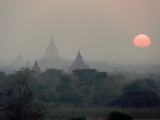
<point x="101" y="29"/>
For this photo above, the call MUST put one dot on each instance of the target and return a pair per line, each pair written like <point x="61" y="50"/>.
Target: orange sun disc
<point x="142" y="40"/>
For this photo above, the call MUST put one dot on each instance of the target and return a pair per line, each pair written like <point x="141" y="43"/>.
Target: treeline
<point x="83" y="88"/>
<point x="18" y="96"/>
<point x="86" y="88"/>
<point x="96" y="64"/>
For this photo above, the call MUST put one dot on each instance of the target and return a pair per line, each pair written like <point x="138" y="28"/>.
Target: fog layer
<point x="102" y="30"/>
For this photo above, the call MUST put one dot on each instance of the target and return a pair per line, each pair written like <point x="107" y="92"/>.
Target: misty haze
<point x="63" y="59"/>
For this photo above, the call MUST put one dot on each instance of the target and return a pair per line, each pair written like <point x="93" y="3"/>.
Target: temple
<point x="51" y="58"/>
<point x="28" y="64"/>
<point x="36" y="68"/>
<point x="78" y="63"/>
<point x="19" y="60"/>
<point x="51" y="52"/>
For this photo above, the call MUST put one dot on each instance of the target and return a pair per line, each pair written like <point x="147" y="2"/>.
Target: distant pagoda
<point x="36" y="68"/>
<point x="51" y="58"/>
<point x="19" y="60"/>
<point x="28" y="65"/>
<point x="78" y="63"/>
<point x="51" y="52"/>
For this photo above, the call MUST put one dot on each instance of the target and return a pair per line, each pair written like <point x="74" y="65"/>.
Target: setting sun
<point x="142" y="40"/>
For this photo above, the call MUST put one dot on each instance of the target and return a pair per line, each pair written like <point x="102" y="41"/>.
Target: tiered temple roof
<point x="36" y="68"/>
<point x="19" y="60"/>
<point x="28" y="64"/>
<point x="78" y="63"/>
<point x="51" y="52"/>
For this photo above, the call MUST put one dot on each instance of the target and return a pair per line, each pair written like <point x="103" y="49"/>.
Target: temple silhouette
<point x="51" y="58"/>
<point x="51" y="52"/>
<point x="78" y="63"/>
<point x="36" y="68"/>
<point x="19" y="60"/>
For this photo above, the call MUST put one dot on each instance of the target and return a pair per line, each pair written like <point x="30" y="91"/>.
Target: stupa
<point x="78" y="63"/>
<point x="36" y="68"/>
<point x="51" y="52"/>
<point x="19" y="60"/>
<point x="51" y="58"/>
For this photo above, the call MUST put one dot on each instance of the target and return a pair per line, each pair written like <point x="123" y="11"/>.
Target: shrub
<point x="79" y="118"/>
<point x="119" y="115"/>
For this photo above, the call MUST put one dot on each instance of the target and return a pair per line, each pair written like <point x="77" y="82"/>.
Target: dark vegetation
<point x="18" y="102"/>
<point x="119" y="115"/>
<point x="55" y="94"/>
<point x="79" y="118"/>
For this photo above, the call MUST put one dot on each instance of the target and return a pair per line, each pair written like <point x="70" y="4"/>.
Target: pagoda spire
<point x="79" y="57"/>
<point x="36" y="68"/>
<point x="19" y="60"/>
<point x="51" y="52"/>
<point x="19" y="53"/>
<point x="78" y="63"/>
<point x="51" y="39"/>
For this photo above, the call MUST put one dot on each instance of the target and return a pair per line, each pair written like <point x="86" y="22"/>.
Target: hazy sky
<point x="101" y="29"/>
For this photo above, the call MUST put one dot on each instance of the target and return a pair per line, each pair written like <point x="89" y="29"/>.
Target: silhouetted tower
<point x="51" y="52"/>
<point x="36" y="68"/>
<point x="28" y="64"/>
<point x="115" y="71"/>
<point x="19" y="60"/>
<point x="78" y="63"/>
<point x="51" y="58"/>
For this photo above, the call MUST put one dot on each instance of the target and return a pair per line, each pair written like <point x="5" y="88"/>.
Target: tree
<point x="66" y="93"/>
<point x="53" y="72"/>
<point x="61" y="87"/>
<point x="64" y="84"/>
<point x="50" y="95"/>
<point x="119" y="115"/>
<point x="100" y="91"/>
<point x="65" y="78"/>
<point x="79" y="118"/>
<point x="70" y="97"/>
<point x="2" y="75"/>
<point x="1" y="95"/>
<point x="138" y="94"/>
<point x="85" y="77"/>
<point x="100" y="77"/>
<point x="86" y="91"/>
<point x="49" y="77"/>
<point x="19" y="102"/>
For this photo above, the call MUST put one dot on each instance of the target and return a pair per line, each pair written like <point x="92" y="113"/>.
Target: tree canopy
<point x="19" y="100"/>
<point x="139" y="93"/>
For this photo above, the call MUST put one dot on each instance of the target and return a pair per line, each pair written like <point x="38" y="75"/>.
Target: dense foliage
<point x="87" y="88"/>
<point x="79" y="118"/>
<point x="138" y="94"/>
<point x="19" y="102"/>
<point x="119" y="115"/>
